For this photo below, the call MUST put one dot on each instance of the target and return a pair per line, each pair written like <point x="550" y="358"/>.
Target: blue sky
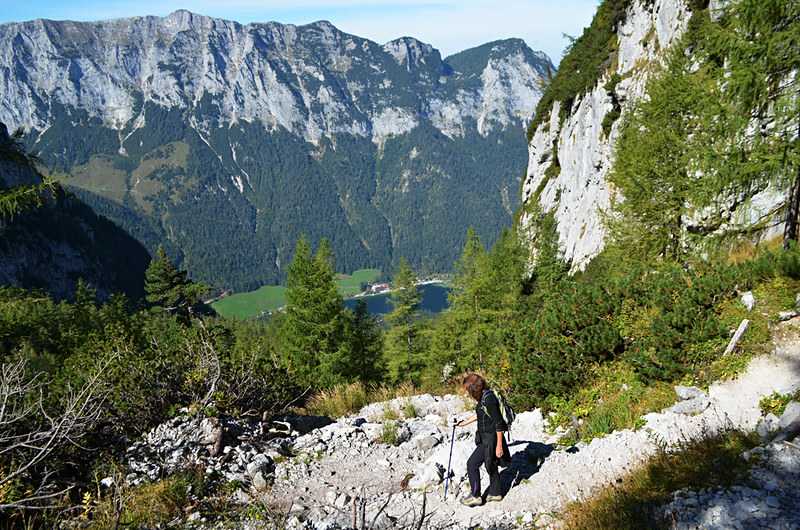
<point x="449" y="25"/>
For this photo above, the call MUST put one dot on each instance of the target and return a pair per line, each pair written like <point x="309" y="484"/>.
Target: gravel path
<point x="342" y="471"/>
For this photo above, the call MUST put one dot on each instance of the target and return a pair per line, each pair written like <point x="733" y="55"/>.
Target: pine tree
<point x="170" y="289"/>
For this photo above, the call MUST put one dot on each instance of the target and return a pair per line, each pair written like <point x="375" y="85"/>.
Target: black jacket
<point x="489" y="418"/>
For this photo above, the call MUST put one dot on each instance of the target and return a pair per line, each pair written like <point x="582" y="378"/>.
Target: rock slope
<point x="64" y="241"/>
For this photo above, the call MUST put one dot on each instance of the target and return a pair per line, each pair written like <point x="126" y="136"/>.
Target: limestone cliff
<point x="581" y="146"/>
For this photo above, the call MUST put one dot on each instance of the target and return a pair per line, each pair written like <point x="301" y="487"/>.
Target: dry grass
<point x="744" y="250"/>
<point x="712" y="462"/>
<point x="341" y="400"/>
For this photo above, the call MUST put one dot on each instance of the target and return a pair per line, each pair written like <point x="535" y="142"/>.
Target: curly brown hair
<point x="475" y="386"/>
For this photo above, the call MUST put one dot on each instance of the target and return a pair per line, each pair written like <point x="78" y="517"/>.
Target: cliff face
<point x="581" y="192"/>
<point x="312" y="80"/>
<point x="226" y="142"/>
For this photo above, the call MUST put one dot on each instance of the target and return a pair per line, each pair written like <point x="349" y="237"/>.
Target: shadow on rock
<point x="526" y="460"/>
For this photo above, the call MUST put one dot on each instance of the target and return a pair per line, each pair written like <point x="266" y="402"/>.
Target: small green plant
<point x="388" y="434"/>
<point x="776" y="403"/>
<point x="409" y="411"/>
<point x="390" y="413"/>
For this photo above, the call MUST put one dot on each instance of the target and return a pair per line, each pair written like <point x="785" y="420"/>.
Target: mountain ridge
<point x="386" y="150"/>
<point x="64" y="242"/>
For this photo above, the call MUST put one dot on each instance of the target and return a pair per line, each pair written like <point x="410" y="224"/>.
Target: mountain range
<point x="227" y="142"/>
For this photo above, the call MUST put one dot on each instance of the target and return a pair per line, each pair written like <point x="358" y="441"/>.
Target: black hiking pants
<point x="484" y="454"/>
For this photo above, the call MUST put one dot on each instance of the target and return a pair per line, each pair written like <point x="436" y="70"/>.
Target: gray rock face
<point x="792" y="413"/>
<point x="690" y="406"/>
<point x="311" y="80"/>
<point x="585" y="152"/>
<point x="689" y="392"/>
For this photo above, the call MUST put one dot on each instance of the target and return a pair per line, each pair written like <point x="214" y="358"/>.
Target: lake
<point x="434" y="299"/>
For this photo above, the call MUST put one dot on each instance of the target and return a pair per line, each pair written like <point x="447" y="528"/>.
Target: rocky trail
<point x="337" y="475"/>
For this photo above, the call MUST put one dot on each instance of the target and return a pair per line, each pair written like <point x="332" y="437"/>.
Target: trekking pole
<point x="452" y="439"/>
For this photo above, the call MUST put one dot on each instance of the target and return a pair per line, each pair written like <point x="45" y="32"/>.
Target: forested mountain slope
<point x="54" y="247"/>
<point x="226" y="142"/>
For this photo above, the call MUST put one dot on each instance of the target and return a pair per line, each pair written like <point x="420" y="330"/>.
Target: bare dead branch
<point x="31" y="433"/>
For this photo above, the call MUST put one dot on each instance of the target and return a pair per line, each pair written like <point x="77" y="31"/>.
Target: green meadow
<point x="351" y="285"/>
<point x="247" y="305"/>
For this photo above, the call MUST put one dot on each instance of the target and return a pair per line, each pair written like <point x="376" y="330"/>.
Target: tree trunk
<point x="478" y="336"/>
<point x="793" y="209"/>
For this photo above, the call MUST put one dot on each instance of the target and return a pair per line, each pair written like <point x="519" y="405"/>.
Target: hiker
<point x="491" y="449"/>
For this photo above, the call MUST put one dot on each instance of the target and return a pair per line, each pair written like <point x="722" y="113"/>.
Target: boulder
<point x="260" y="482"/>
<point x="768" y="425"/>
<point x="424" y="443"/>
<point x="690" y="406"/>
<point x="791" y="414"/>
<point x="689" y="392"/>
<point x="528" y="425"/>
<point x="306" y="424"/>
<point x="432" y="474"/>
<point x="748" y="300"/>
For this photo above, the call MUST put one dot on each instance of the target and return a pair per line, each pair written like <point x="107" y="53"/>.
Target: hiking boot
<point x="472" y="501"/>
<point x="490" y="498"/>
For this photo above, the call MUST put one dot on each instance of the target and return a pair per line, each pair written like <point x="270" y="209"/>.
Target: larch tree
<point x="470" y="299"/>
<point x="402" y="348"/>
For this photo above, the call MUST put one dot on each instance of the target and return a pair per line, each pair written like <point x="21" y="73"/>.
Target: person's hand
<point x="499" y="451"/>
<point x="456" y="423"/>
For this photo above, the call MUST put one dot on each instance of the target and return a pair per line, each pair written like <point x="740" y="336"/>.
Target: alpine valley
<point x="226" y="142"/>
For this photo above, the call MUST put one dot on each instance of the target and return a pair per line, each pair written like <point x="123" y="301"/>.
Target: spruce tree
<point x="170" y="289"/>
<point x="365" y="346"/>
<point x="313" y="332"/>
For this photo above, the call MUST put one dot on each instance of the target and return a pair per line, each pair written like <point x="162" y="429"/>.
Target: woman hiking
<point x="491" y="447"/>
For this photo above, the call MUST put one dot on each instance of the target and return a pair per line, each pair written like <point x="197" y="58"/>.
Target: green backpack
<point x="506" y="411"/>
